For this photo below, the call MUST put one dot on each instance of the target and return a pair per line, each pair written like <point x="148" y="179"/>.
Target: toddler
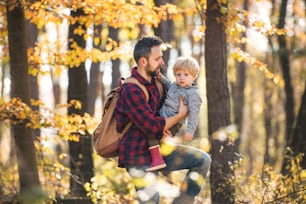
<point x="186" y="71"/>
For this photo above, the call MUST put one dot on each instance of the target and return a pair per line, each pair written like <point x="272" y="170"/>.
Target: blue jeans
<point x="182" y="157"/>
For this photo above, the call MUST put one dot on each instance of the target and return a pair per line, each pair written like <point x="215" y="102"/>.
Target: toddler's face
<point x="184" y="78"/>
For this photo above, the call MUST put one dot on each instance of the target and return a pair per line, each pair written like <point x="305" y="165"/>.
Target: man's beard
<point x="152" y="73"/>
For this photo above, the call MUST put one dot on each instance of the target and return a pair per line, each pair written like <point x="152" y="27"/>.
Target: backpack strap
<point x="160" y="87"/>
<point x="143" y="88"/>
<point x="133" y="80"/>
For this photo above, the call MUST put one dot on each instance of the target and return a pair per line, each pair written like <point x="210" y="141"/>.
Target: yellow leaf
<point x="223" y="10"/>
<point x="167" y="148"/>
<point x="108" y="47"/>
<point x="62" y="156"/>
<point x="79" y="31"/>
<point x="196" y="38"/>
<point x="303" y="174"/>
<point x="202" y="28"/>
<point x="96" y="41"/>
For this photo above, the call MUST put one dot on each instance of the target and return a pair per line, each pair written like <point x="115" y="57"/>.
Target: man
<point x="133" y="148"/>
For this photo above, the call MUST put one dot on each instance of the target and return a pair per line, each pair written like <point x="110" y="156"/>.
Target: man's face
<point x="155" y="61"/>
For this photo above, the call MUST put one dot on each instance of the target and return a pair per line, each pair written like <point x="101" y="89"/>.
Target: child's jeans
<point x="182" y="157"/>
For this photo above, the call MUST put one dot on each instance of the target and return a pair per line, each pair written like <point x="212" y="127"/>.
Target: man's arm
<point x="132" y="106"/>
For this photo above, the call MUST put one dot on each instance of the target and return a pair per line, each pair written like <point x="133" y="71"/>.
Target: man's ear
<point x="143" y="61"/>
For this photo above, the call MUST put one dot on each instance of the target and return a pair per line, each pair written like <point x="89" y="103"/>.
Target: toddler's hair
<point x="187" y="64"/>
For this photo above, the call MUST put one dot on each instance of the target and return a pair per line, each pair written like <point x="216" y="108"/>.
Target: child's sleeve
<point x="166" y="82"/>
<point x="194" y="106"/>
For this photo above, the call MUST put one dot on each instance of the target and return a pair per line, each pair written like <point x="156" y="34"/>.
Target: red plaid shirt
<point x="132" y="106"/>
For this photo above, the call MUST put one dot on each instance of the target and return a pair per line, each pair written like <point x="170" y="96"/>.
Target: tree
<point x="113" y="33"/>
<point x="23" y="136"/>
<point x="218" y="102"/>
<point x="238" y="88"/>
<point x="165" y="30"/>
<point x="94" y="82"/>
<point x="81" y="162"/>
<point x="298" y="141"/>
<point x="285" y="65"/>
<point x="32" y="33"/>
<point x="294" y="136"/>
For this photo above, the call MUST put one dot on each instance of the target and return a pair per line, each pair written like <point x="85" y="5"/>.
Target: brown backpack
<point x="106" y="138"/>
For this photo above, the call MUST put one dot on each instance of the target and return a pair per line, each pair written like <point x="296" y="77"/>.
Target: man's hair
<point x="144" y="45"/>
<point x="188" y="64"/>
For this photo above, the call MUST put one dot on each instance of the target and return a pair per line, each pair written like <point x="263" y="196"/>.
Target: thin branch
<point x="289" y="194"/>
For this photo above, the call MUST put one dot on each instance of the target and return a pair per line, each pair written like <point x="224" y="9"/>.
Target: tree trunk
<point x="268" y="93"/>
<point x="24" y="137"/>
<point x="81" y="162"/>
<point x="285" y="65"/>
<point x="298" y="142"/>
<point x="165" y="31"/>
<point x="56" y="87"/>
<point x="238" y="89"/>
<point x="94" y="75"/>
<point x="113" y="33"/>
<point x="218" y="101"/>
<point x="32" y="34"/>
<point x="273" y="147"/>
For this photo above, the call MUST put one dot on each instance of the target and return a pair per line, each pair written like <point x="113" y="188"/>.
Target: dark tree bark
<point x="285" y="65"/>
<point x="23" y="136"/>
<point x="113" y="33"/>
<point x="81" y="162"/>
<point x="165" y="31"/>
<point x="32" y="34"/>
<point x="238" y="88"/>
<point x="298" y="142"/>
<point x="218" y="101"/>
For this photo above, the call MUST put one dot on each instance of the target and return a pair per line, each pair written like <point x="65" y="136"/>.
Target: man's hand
<point x="172" y="120"/>
<point x="183" y="109"/>
<point x="188" y="137"/>
<point x="167" y="133"/>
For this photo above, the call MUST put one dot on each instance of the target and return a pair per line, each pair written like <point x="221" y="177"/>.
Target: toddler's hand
<point x="159" y="75"/>
<point x="188" y="137"/>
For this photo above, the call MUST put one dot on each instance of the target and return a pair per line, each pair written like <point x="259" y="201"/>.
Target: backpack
<point x="105" y="137"/>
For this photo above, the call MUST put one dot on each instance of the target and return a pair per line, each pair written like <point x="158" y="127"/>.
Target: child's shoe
<point x="157" y="159"/>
